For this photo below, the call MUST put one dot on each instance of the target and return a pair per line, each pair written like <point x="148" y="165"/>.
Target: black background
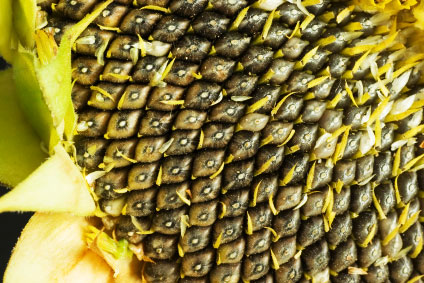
<point x="11" y="224"/>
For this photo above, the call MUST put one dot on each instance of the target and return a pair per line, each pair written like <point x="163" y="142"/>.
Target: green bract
<point x="38" y="96"/>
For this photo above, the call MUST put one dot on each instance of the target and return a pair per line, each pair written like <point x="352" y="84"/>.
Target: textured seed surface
<point x="240" y="144"/>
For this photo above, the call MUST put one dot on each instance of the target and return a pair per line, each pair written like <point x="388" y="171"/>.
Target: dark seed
<point x="377" y="274"/>
<point x="140" y="22"/>
<point x="161" y="271"/>
<point x="316" y="257"/>
<point x="127" y="230"/>
<point x="141" y="202"/>
<point x="210" y="25"/>
<point x="288" y="197"/>
<point x="225" y="273"/>
<point x="201" y="95"/>
<point x="167" y="197"/>
<point x="340" y="229"/>
<point x="107" y="184"/>
<point x="231" y="252"/>
<point x="258" y="242"/>
<point x="170" y="28"/>
<point x="256" y="266"/>
<point x="158" y="246"/>
<point x="168" y="222"/>
<point x="368" y="255"/>
<point x="363" y="225"/>
<point x="192" y="48"/>
<point x="203" y="214"/>
<point x="204" y="189"/>
<point x="343" y="256"/>
<point x="261" y="216"/>
<point x="311" y="231"/>
<point x="291" y="271"/>
<point x="286" y="223"/>
<point x="198" y="264"/>
<point x="235" y="202"/>
<point x="284" y="249"/>
<point x="195" y="239"/>
<point x="229" y="228"/>
<point x="401" y="269"/>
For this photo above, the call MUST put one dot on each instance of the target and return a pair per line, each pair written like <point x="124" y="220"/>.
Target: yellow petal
<point x="52" y="247"/>
<point x="55" y="186"/>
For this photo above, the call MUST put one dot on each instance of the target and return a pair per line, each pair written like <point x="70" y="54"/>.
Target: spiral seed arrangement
<point x="256" y="141"/>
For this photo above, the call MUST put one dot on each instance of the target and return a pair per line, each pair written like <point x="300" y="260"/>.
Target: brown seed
<point x="123" y="124"/>
<point x="146" y="68"/>
<point x="139" y="22"/>
<point x="291" y="271"/>
<point x="235" y="202"/>
<point x="256" y="266"/>
<point x="225" y="273"/>
<point x="217" y="69"/>
<point x="136" y="96"/>
<point x="127" y="230"/>
<point x="147" y="149"/>
<point x="286" y="223"/>
<point x="195" y="239"/>
<point x="238" y="174"/>
<point x="183" y="142"/>
<point x="111" y="16"/>
<point x="142" y="176"/>
<point x="229" y="229"/>
<point x="232" y="252"/>
<point x="258" y="242"/>
<point x="158" y="246"/>
<point x="203" y="214"/>
<point x="288" y="197"/>
<point x="161" y="271"/>
<point x="264" y="187"/>
<point x="244" y="144"/>
<point x="316" y="257"/>
<point x="284" y="249"/>
<point x="168" y="198"/>
<point x="176" y="169"/>
<point x="117" y="71"/>
<point x="92" y="123"/>
<point x="90" y="153"/>
<point x="114" y="180"/>
<point x="204" y="189"/>
<point x="201" y="95"/>
<point x="311" y="231"/>
<point x="100" y="101"/>
<point x="168" y="222"/>
<point x="117" y="149"/>
<point x="159" y="97"/>
<point x="121" y="46"/>
<point x="141" y="202"/>
<point x="199" y="263"/>
<point x="190" y="119"/>
<point x="217" y="135"/>
<point x="181" y="73"/>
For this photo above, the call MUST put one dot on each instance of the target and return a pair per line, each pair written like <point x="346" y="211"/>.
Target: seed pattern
<point x="246" y="142"/>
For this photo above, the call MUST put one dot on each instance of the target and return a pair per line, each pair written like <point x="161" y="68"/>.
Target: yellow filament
<point x="214" y="175"/>
<point x="288" y="177"/>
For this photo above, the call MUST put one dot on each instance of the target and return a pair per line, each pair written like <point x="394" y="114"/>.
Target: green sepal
<point x="57" y="185"/>
<point x="20" y="146"/>
<point x="31" y="98"/>
<point x="6" y="29"/>
<point x="24" y="14"/>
